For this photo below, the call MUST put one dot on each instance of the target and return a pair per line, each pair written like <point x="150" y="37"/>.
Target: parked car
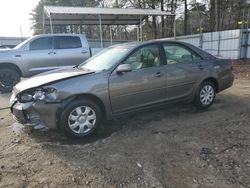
<point x="120" y="79"/>
<point x="39" y="54"/>
<point x="6" y="47"/>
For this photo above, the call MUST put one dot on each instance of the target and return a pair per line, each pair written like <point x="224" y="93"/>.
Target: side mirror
<point x="124" y="68"/>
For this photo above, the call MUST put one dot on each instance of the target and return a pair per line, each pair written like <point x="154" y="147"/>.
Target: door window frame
<point x="138" y="48"/>
<point x="183" y="46"/>
<point x="55" y="47"/>
<point x="53" y="43"/>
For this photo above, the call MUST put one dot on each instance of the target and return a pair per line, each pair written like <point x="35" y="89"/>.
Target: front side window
<point x="67" y="42"/>
<point x="176" y="53"/>
<point x="145" y="57"/>
<point x="43" y="43"/>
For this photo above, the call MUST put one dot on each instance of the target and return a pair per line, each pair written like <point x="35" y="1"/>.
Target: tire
<point x="8" y="79"/>
<point x="81" y="118"/>
<point x="205" y="95"/>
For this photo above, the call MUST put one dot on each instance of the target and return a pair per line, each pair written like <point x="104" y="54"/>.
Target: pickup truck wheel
<point x="205" y="95"/>
<point x="8" y="79"/>
<point x="81" y="118"/>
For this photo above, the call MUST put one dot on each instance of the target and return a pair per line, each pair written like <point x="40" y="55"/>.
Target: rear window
<point x="67" y="42"/>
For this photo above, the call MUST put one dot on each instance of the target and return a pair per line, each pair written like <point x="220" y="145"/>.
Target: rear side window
<point x="176" y="53"/>
<point x="67" y="42"/>
<point x="43" y="43"/>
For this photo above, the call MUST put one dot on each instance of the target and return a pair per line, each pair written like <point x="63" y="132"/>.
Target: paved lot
<point x="175" y="146"/>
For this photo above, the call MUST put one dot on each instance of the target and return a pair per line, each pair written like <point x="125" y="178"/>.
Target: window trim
<point x="40" y="38"/>
<point x="181" y="45"/>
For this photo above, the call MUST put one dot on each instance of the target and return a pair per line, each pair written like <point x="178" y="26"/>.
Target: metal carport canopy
<point x="58" y="15"/>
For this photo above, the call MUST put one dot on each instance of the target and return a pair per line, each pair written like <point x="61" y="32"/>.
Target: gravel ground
<point x="176" y="146"/>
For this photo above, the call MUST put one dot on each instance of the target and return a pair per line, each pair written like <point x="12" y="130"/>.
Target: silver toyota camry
<point x="120" y="79"/>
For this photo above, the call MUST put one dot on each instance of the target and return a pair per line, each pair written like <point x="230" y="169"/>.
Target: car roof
<point x="137" y="44"/>
<point x="59" y="34"/>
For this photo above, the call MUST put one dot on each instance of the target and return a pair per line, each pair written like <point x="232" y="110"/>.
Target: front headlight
<point x="40" y="94"/>
<point x="26" y="97"/>
<point x="47" y="94"/>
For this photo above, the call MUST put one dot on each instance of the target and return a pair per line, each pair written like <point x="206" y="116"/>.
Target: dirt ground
<point x="176" y="146"/>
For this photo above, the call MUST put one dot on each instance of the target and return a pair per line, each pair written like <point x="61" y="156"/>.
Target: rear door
<point x="70" y="50"/>
<point x="39" y="56"/>
<point x="144" y="85"/>
<point x="184" y="69"/>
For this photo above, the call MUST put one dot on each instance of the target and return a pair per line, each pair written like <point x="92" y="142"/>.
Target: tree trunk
<point x="154" y="22"/>
<point x="212" y="15"/>
<point x="185" y="17"/>
<point x="162" y="20"/>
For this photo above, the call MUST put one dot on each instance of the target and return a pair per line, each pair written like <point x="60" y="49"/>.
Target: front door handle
<point x="84" y="52"/>
<point x="158" y="74"/>
<point x="52" y="53"/>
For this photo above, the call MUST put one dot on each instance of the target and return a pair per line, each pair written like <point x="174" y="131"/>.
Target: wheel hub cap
<point x="82" y="119"/>
<point x="207" y="95"/>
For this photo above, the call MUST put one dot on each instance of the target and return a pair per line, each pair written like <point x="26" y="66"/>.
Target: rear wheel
<point x="205" y="95"/>
<point x="81" y="118"/>
<point x="8" y="79"/>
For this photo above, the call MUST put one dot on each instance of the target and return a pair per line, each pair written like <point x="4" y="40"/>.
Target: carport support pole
<point x="137" y="33"/>
<point x="174" y="29"/>
<point x="43" y="23"/>
<point x="100" y="25"/>
<point x="51" y="26"/>
<point x="111" y="34"/>
<point x="140" y="28"/>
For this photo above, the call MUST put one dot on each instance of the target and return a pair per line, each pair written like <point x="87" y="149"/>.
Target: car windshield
<point x="105" y="59"/>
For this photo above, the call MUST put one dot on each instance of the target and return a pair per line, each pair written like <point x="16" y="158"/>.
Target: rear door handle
<point x="52" y="53"/>
<point x="158" y="74"/>
<point x="201" y="67"/>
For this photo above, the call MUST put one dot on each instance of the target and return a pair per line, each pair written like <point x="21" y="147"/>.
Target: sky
<point x="16" y="13"/>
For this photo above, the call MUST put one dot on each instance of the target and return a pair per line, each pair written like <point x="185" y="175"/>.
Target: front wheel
<point x="8" y="79"/>
<point x="205" y="95"/>
<point x="81" y="118"/>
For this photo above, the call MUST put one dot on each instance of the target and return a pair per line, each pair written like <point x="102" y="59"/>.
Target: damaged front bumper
<point x="36" y="113"/>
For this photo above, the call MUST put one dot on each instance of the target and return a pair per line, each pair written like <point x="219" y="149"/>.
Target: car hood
<point x="8" y="51"/>
<point x="49" y="77"/>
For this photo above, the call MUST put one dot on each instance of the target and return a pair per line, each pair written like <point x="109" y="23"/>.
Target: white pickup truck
<point x="39" y="54"/>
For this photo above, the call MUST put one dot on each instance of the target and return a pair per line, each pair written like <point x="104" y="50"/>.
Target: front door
<point x="144" y="85"/>
<point x="40" y="56"/>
